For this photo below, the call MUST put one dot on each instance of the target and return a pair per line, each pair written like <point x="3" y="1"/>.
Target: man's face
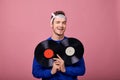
<point x="59" y="26"/>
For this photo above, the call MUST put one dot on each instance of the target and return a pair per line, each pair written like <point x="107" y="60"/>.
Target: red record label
<point x="48" y="53"/>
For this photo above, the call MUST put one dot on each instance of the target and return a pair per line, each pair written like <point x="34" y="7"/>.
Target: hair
<point x="57" y="13"/>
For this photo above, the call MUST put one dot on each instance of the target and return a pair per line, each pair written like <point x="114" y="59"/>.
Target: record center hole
<point x="48" y="53"/>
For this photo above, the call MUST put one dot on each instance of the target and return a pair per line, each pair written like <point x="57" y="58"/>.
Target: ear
<point x="51" y="24"/>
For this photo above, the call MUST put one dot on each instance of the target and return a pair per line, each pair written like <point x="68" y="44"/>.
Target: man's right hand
<point x="55" y="67"/>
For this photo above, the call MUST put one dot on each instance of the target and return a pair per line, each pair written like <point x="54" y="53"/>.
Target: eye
<point x="64" y="22"/>
<point x="57" y="22"/>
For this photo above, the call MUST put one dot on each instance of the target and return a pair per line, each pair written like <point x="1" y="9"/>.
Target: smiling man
<point x="58" y="24"/>
<point x="58" y="71"/>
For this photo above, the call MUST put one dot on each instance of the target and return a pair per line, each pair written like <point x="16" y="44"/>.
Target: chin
<point x="60" y="34"/>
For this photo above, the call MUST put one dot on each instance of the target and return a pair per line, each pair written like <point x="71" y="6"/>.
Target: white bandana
<point x="57" y="16"/>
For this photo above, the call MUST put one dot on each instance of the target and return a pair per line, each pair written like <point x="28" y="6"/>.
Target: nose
<point x="61" y="24"/>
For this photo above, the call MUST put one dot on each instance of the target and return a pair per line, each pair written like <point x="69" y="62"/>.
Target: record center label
<point x="48" y="53"/>
<point x="70" y="51"/>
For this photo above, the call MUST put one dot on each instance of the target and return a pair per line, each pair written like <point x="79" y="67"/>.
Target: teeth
<point x="60" y="29"/>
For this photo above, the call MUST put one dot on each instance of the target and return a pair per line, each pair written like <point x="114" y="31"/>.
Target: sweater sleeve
<point x="39" y="72"/>
<point x="77" y="69"/>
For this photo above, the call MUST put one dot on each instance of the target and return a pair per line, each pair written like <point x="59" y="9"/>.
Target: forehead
<point x="60" y="19"/>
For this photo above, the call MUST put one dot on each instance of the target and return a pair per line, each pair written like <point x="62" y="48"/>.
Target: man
<point x="58" y="71"/>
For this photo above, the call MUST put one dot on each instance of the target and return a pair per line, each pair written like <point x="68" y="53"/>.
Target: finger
<point x="58" y="69"/>
<point x="59" y="56"/>
<point x="57" y="63"/>
<point x="57" y="59"/>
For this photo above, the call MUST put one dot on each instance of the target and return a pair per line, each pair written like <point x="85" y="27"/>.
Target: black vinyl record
<point x="73" y="50"/>
<point x="45" y="51"/>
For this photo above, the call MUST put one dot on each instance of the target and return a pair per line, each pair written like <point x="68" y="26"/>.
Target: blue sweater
<point x="71" y="73"/>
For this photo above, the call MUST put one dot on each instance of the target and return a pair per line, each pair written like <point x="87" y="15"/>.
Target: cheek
<point x="65" y="26"/>
<point x="53" y="27"/>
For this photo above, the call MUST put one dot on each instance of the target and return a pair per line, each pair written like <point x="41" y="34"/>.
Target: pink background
<point x="24" y="23"/>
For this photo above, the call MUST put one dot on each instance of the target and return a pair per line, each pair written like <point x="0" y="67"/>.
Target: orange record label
<point x="48" y="53"/>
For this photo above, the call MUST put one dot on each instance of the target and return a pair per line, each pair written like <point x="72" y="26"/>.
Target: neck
<point x="57" y="37"/>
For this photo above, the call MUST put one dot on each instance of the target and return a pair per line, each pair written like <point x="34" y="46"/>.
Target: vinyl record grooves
<point x="45" y="51"/>
<point x="73" y="50"/>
